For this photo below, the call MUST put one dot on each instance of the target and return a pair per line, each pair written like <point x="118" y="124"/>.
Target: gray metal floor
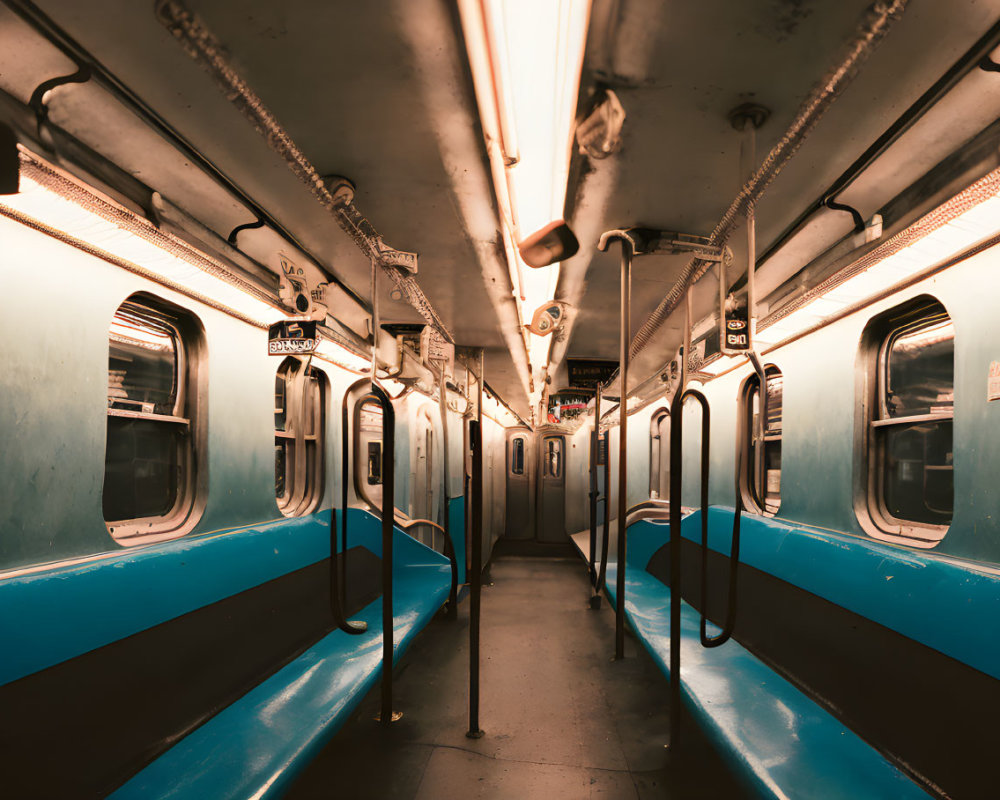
<point x="562" y="720"/>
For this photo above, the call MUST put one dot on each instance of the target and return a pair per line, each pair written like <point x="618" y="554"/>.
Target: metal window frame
<point x="656" y="451"/>
<point x="306" y="397"/>
<point x="361" y="484"/>
<point x="921" y="313"/>
<point x="189" y="398"/>
<point x="746" y="446"/>
<point x="561" y="456"/>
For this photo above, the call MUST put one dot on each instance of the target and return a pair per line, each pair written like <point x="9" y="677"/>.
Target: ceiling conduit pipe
<point x="877" y="22"/>
<point x="202" y="45"/>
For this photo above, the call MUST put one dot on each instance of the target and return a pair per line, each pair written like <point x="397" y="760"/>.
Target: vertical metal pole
<point x="625" y="337"/>
<point x="443" y="388"/>
<point x="476" y="440"/>
<point x="387" y="716"/>
<point x="676" y="443"/>
<point x="595" y="449"/>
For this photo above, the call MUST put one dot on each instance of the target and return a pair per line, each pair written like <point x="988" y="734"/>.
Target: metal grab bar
<point x="476" y="579"/>
<point x="676" y="467"/>
<point x="337" y="575"/>
<point x="449" y="551"/>
<point x="388" y="487"/>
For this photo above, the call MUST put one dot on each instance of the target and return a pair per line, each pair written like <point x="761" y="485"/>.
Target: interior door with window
<point x="552" y="489"/>
<point x="520" y="485"/>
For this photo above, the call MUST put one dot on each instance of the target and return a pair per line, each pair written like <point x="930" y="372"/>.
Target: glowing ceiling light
<point x="62" y="214"/>
<point x="526" y="58"/>
<point x="941" y="235"/>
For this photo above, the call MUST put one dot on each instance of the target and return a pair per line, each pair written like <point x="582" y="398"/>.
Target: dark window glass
<point x="920" y="371"/>
<point x="374" y="463"/>
<point x="141" y="468"/>
<point x="918" y="472"/>
<point x="517" y="456"/>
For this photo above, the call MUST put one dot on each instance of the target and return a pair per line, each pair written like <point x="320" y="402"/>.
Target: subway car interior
<point x="500" y="399"/>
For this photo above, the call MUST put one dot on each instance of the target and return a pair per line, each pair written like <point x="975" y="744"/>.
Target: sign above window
<point x="290" y="337"/>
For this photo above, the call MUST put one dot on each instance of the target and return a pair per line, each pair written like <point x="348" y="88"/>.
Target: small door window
<point x="517" y="456"/>
<point x="553" y="465"/>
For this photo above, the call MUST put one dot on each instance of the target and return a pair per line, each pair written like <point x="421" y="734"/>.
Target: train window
<point x="910" y="487"/>
<point x="368" y="450"/>
<point x="150" y="458"/>
<point x="553" y="457"/>
<point x="517" y="456"/>
<point x="299" y="432"/>
<point x="760" y="456"/>
<point x="659" y="455"/>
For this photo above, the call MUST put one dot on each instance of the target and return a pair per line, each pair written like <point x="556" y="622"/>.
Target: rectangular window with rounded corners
<point x="368" y="450"/>
<point x="553" y="457"/>
<point x="151" y="456"/>
<point x="760" y="442"/>
<point x="909" y="413"/>
<point x="517" y="455"/>
<point x="659" y="455"/>
<point x="299" y="433"/>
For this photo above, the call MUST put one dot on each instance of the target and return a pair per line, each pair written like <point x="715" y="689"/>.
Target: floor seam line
<point x="525" y="761"/>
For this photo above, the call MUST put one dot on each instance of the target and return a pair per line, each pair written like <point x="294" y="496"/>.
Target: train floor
<point x="561" y="718"/>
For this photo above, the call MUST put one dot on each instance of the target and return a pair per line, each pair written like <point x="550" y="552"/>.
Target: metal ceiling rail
<point x="876" y="23"/>
<point x="207" y="51"/>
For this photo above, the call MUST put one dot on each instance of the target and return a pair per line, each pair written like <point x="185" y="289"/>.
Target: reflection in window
<point x="911" y="484"/>
<point x="299" y="423"/>
<point x="553" y="457"/>
<point x="762" y="443"/>
<point x="149" y="463"/>
<point x="517" y="456"/>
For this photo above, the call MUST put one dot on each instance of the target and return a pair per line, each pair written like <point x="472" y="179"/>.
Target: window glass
<point x="142" y="362"/>
<point x="762" y="464"/>
<point x="141" y="468"/>
<point x="920" y="371"/>
<point x="374" y="463"/>
<point x="553" y="457"/>
<point x="149" y="455"/>
<point x="368" y="473"/>
<point x="517" y="456"/>
<point x="659" y="455"/>
<point x="910" y="457"/>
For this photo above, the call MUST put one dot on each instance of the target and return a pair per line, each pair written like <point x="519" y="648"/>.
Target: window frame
<point x="305" y="476"/>
<point x="880" y="333"/>
<point x="656" y="450"/>
<point x="514" y="442"/>
<point x="746" y="436"/>
<point x="188" y="411"/>
<point x="361" y="460"/>
<point x="560" y="457"/>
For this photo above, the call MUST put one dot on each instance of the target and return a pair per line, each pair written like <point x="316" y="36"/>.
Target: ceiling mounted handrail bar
<point x="338" y="578"/>
<point x="676" y="474"/>
<point x="877" y="21"/>
<point x="202" y="45"/>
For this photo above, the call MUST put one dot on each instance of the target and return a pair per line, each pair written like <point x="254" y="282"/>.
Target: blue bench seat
<point x="779" y="742"/>
<point x="258" y="745"/>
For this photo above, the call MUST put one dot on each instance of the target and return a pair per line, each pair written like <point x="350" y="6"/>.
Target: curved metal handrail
<point x="646" y="513"/>
<point x="338" y="578"/>
<point x="449" y="552"/>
